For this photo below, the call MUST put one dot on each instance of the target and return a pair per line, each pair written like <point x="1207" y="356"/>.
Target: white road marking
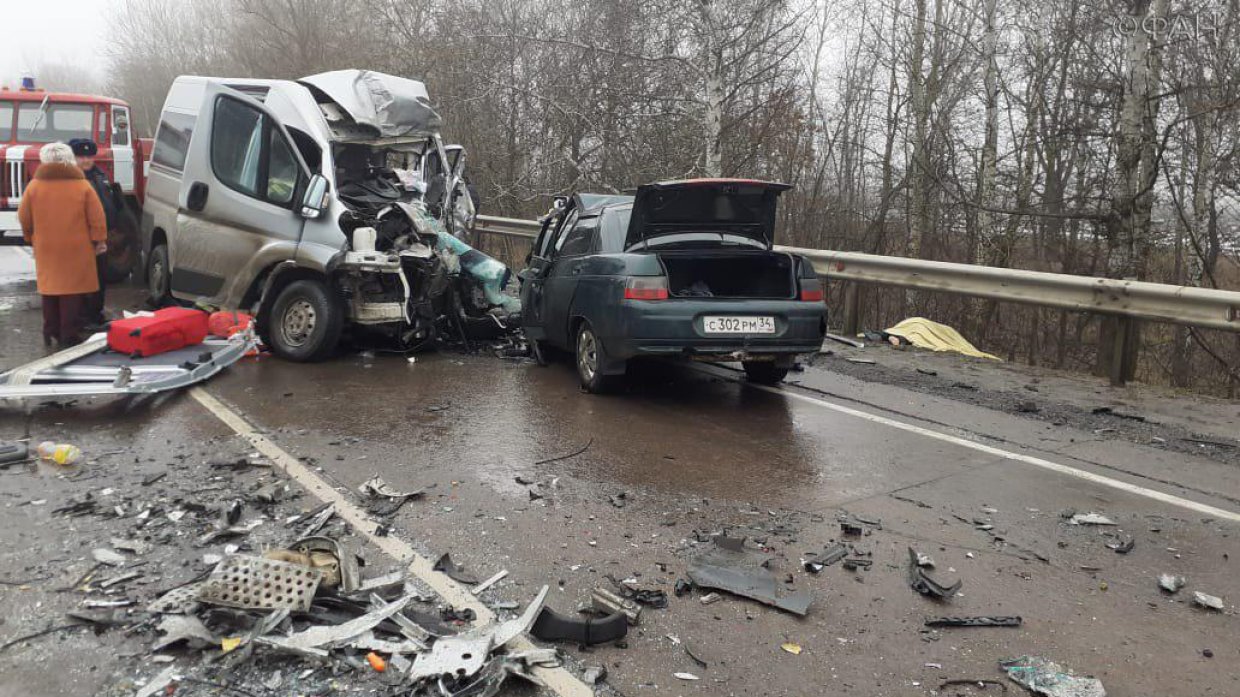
<point x="1202" y="508"/>
<point x="558" y="680"/>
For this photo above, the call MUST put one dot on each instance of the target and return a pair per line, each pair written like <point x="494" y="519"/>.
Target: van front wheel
<point x="305" y="322"/>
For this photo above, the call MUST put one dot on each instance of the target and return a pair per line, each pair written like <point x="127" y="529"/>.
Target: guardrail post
<point x="852" y="308"/>
<point x="1124" y="349"/>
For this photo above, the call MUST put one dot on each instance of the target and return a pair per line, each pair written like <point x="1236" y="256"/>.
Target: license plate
<point x="739" y="325"/>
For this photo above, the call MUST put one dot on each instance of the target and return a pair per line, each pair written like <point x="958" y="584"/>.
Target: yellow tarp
<point x="923" y="333"/>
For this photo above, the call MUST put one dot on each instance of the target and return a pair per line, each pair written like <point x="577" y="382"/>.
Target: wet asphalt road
<point x="696" y="451"/>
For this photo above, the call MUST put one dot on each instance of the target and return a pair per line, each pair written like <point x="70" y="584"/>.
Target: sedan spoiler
<point x="725" y="207"/>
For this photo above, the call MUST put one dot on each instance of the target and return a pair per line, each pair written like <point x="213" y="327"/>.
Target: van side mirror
<point x="315" y="200"/>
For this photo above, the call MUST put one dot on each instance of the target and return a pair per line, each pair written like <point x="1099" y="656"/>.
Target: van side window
<point x="172" y="140"/>
<point x="250" y="155"/>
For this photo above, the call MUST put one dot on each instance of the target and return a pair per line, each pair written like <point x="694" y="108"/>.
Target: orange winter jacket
<point x="62" y="218"/>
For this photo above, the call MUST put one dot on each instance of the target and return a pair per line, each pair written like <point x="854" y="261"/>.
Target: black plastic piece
<point x="1013" y="621"/>
<point x="552" y="626"/>
<point x="922" y="583"/>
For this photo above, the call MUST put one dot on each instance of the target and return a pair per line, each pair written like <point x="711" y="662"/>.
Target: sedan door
<point x="239" y="199"/>
<point x="534" y="276"/>
<point x="572" y="248"/>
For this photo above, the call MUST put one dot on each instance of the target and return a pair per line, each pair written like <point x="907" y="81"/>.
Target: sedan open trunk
<point x="729" y="274"/>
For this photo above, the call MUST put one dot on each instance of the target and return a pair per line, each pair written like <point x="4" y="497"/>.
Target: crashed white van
<point x="319" y="203"/>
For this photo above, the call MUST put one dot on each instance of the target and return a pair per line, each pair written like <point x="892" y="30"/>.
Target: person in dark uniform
<point x="85" y="151"/>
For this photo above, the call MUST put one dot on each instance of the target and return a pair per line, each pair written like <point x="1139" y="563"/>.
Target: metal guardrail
<point x="1128" y="300"/>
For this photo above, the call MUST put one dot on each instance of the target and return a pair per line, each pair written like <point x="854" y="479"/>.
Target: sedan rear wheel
<point x="590" y="361"/>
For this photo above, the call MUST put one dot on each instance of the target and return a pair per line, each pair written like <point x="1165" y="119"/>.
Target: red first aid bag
<point x="168" y="330"/>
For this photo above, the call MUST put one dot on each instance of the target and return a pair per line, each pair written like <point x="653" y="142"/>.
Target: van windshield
<point x="55" y="122"/>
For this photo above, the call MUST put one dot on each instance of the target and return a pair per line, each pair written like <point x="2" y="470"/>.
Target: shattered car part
<point x="13" y="452"/>
<point x="177" y="628"/>
<point x="1210" y="602"/>
<point x="828" y="557"/>
<point x="609" y="603"/>
<point x="1171" y="583"/>
<point x="376" y="488"/>
<point x="552" y="626"/>
<point x="465" y="654"/>
<point x="995" y="621"/>
<point x="90" y="369"/>
<point x="335" y="561"/>
<point x="445" y="564"/>
<point x="1049" y="679"/>
<point x="318" y="520"/>
<point x="731" y="568"/>
<point x="254" y="583"/>
<point x="390" y="106"/>
<point x="646" y="596"/>
<point x="489" y="582"/>
<point x="924" y="584"/>
<point x="333" y="636"/>
<point x="489" y="681"/>
<point x="1090" y="519"/>
<point x="180" y="601"/>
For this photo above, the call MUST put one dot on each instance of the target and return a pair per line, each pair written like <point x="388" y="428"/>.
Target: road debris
<point x="552" y="626"/>
<point x="606" y="602"/>
<point x="1171" y="583"/>
<point x="828" y="557"/>
<point x="1209" y="602"/>
<point x="489" y="582"/>
<point x="386" y="501"/>
<point x="255" y="583"/>
<point x="1090" y="519"/>
<point x="109" y="557"/>
<point x="731" y="567"/>
<point x="979" y="683"/>
<point x="982" y="621"/>
<point x="924" y="584"/>
<point x="792" y="648"/>
<point x="685" y="676"/>
<point x="1043" y="677"/>
<point x="593" y="675"/>
<point x="445" y="564"/>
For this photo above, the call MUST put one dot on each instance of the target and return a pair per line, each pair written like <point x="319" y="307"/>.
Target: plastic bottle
<point x="60" y="453"/>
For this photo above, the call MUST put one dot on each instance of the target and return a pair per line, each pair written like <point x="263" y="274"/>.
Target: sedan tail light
<point x="811" y="290"/>
<point x="646" y="288"/>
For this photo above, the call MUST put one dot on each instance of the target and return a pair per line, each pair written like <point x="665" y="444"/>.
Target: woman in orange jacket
<point x="62" y="219"/>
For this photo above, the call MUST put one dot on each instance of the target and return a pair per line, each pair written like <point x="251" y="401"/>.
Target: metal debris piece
<point x="828" y="557"/>
<point x="711" y="598"/>
<point x="729" y="567"/>
<point x="1210" y="602"/>
<point x="333" y="636"/>
<point x="683" y="587"/>
<point x="924" y="584"/>
<point x="984" y="621"/>
<point x="376" y="488"/>
<point x="180" y="601"/>
<point x="1043" y="677"/>
<point x="1090" y="519"/>
<point x="445" y="564"/>
<point x="646" y="596"/>
<point x="925" y="561"/>
<point x="1122" y="546"/>
<point x="685" y="676"/>
<point x="593" y="675"/>
<point x="337" y="562"/>
<point x="607" y="603"/>
<point x="461" y="656"/>
<point x="177" y="628"/>
<point x="124" y="602"/>
<point x="377" y="583"/>
<point x="116" y="580"/>
<point x="317" y="519"/>
<point x="489" y="582"/>
<point x="1171" y="583"/>
<point x="254" y="583"/>
<point x="979" y="683"/>
<point x="134" y="546"/>
<point x="109" y="557"/>
<point x="159" y="683"/>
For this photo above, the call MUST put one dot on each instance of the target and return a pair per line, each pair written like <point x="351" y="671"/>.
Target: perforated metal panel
<point x="254" y="583"/>
<point x="178" y="601"/>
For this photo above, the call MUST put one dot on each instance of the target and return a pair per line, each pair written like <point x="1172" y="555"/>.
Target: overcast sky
<point x="31" y="36"/>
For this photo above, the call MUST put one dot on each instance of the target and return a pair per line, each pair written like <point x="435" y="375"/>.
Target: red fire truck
<point x="31" y="118"/>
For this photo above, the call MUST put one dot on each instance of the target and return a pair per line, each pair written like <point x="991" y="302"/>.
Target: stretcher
<point x="90" y="369"/>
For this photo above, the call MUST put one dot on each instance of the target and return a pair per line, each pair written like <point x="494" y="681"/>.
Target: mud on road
<point x="525" y="473"/>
